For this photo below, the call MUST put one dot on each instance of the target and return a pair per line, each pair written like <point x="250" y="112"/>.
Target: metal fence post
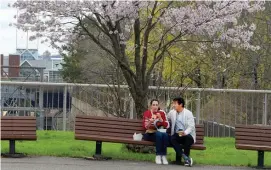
<point x="265" y="109"/>
<point x="64" y="108"/>
<point x="198" y="108"/>
<point x="131" y="108"/>
<point x="41" y="75"/>
<point x="41" y="108"/>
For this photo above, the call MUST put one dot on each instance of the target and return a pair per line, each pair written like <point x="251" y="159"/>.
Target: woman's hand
<point x="159" y="116"/>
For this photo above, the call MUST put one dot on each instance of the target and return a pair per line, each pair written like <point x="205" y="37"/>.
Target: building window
<point x="54" y="76"/>
<point x="27" y="56"/>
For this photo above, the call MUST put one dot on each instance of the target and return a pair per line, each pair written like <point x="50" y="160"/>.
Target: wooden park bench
<point x="17" y="128"/>
<point x="251" y="137"/>
<point x="118" y="130"/>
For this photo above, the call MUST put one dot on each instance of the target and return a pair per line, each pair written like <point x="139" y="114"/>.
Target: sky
<point x="8" y="33"/>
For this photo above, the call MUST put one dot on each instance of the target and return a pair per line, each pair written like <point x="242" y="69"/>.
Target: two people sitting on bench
<point x="182" y="130"/>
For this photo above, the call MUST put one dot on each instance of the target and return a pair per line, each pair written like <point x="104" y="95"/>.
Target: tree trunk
<point x="141" y="104"/>
<point x="139" y="92"/>
<point x="198" y="77"/>
<point x="255" y="76"/>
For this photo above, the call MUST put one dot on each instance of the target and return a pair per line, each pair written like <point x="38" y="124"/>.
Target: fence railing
<point x="56" y="104"/>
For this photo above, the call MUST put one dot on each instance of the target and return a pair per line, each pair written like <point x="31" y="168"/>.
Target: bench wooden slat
<point x="123" y="135"/>
<point x="107" y="118"/>
<point x="199" y="130"/>
<point x="253" y="138"/>
<point x="119" y="135"/>
<point x="199" y="139"/>
<point x="198" y="146"/>
<point x="117" y="130"/>
<point x="18" y="128"/>
<point x="253" y="147"/>
<point x="265" y="127"/>
<point x="122" y="140"/>
<point x="117" y="121"/>
<point x="199" y="133"/>
<point x="135" y="124"/>
<point x="81" y="125"/>
<point x="28" y="121"/>
<point x="18" y="118"/>
<point x="253" y="130"/>
<point x="112" y="130"/>
<point x="111" y="139"/>
<point x="18" y="133"/>
<point x="4" y="124"/>
<point x="128" y="127"/>
<point x="247" y="142"/>
<point x="19" y="137"/>
<point x="254" y="134"/>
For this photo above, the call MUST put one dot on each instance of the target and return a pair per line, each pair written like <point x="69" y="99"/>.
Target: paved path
<point x="54" y="163"/>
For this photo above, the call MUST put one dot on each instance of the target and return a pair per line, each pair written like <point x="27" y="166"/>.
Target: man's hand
<point x="182" y="133"/>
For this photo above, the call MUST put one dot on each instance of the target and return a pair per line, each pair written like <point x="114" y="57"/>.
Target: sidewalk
<point x="56" y="163"/>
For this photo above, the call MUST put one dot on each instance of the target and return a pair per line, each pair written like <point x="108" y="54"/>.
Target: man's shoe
<point x="158" y="159"/>
<point x="188" y="162"/>
<point x="164" y="160"/>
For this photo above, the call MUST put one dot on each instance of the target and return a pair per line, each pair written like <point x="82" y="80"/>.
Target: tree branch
<point x="104" y="48"/>
<point x="104" y="29"/>
<point x="137" y="49"/>
<point x="145" y="42"/>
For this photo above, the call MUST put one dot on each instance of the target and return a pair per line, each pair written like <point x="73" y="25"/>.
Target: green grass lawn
<point x="220" y="151"/>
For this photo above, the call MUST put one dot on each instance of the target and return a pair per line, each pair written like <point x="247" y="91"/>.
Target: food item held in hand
<point x="180" y="132"/>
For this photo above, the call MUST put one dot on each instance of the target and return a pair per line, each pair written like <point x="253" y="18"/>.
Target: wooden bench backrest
<point x="18" y="128"/>
<point x="117" y="127"/>
<point x="253" y="135"/>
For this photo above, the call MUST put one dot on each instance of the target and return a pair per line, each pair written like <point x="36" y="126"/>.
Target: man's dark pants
<point x="186" y="143"/>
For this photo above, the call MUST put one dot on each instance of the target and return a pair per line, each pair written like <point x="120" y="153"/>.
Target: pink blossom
<point x="204" y="19"/>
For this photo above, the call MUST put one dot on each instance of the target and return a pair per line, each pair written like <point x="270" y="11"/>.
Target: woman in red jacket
<point x="154" y="119"/>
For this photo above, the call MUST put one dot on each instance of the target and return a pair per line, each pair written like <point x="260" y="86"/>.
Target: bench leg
<point x="98" y="148"/>
<point x="98" y="152"/>
<point x="12" y="146"/>
<point x="12" y="151"/>
<point x="260" y="159"/>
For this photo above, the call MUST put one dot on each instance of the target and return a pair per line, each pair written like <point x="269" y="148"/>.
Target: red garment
<point x="148" y="115"/>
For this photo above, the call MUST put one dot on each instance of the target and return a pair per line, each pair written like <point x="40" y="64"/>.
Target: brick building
<point x="11" y="65"/>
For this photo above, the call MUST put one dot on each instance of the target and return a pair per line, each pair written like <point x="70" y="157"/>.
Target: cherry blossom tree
<point x="137" y="34"/>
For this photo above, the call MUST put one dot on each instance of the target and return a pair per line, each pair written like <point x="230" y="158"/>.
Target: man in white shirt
<point x="182" y="130"/>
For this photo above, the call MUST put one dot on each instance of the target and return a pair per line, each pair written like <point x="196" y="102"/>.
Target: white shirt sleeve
<point x="190" y="122"/>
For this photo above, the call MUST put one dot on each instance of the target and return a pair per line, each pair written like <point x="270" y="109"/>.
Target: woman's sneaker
<point x="158" y="160"/>
<point x="164" y="160"/>
<point x="188" y="162"/>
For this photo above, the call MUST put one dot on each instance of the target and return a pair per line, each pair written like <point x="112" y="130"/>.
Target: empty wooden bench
<point x="251" y="137"/>
<point x="17" y="128"/>
<point x="118" y="130"/>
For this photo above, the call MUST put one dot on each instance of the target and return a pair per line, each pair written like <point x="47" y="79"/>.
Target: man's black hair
<point x="179" y="100"/>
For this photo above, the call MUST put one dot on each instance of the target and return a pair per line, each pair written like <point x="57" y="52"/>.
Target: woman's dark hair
<point x="154" y="100"/>
<point x="179" y="100"/>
